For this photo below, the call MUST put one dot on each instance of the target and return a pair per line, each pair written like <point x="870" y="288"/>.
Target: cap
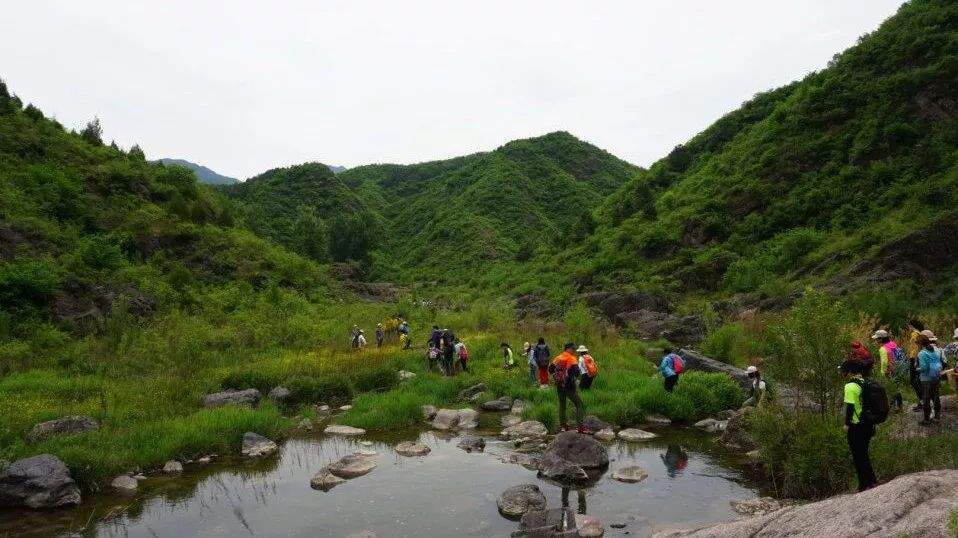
<point x="880" y="333"/>
<point x="929" y="335"/>
<point x="751" y="369"/>
<point x="582" y="349"/>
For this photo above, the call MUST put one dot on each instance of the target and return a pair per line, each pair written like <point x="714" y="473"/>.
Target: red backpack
<point x="677" y="364"/>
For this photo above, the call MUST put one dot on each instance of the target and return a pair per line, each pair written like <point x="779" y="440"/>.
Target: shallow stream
<point x="447" y="493"/>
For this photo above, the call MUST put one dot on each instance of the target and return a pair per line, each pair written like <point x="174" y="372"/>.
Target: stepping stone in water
<point x="410" y="448"/>
<point x="633" y="434"/>
<point x="325" y="480"/>
<point x="339" y="429"/>
<point x="589" y="526"/>
<point x="124" y="483"/>
<point x="518" y="500"/>
<point x="352" y="466"/>
<point x="630" y="474"/>
<point x="604" y="435"/>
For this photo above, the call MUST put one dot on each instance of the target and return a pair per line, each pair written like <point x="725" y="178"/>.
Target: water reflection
<point x="675" y="460"/>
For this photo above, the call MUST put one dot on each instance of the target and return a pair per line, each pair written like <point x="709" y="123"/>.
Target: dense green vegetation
<point x="203" y="174"/>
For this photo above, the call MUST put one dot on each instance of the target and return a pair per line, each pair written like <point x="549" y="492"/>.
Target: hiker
<point x="892" y="363"/>
<point x="757" y="393"/>
<point x="432" y="356"/>
<point x="950" y="353"/>
<point x="463" y="355"/>
<point x="929" y="371"/>
<point x="354" y="336"/>
<point x="670" y="368"/>
<point x="861" y="354"/>
<point x="380" y="335"/>
<point x="403" y="331"/>
<point x="361" y="339"/>
<point x="434" y="336"/>
<point x="447" y="343"/>
<point x="529" y="352"/>
<point x="587" y="367"/>
<point x="859" y="432"/>
<point x="508" y="357"/>
<point x="565" y="369"/>
<point x="542" y="355"/>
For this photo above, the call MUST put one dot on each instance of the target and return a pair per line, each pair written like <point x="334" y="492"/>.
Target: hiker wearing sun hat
<point x="757" y="393"/>
<point x="588" y="368"/>
<point x="892" y="363"/>
<point x="929" y="370"/>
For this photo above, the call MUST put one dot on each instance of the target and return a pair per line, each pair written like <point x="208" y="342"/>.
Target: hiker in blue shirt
<point x="929" y="372"/>
<point x="670" y="368"/>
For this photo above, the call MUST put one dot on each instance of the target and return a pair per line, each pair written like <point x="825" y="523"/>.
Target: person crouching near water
<point x="565" y="369"/>
<point x="587" y="367"/>
<point x="860" y="433"/>
<point x="670" y="368"/>
<point x="756" y="395"/>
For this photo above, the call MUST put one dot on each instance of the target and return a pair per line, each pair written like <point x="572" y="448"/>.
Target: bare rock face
<point x="922" y="505"/>
<point x="39" y="482"/>
<point x="247" y="397"/>
<point x="62" y="426"/>
<point x="756" y="507"/>
<point x="255" y="445"/>
<point x="518" y="500"/>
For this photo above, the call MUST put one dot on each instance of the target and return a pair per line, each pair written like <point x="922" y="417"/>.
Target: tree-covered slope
<point x="816" y="180"/>
<point x="204" y="174"/>
<point x="447" y="218"/>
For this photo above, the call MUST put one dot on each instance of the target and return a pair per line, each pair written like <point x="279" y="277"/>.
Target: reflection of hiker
<point x="529" y="352"/>
<point x="380" y="335"/>
<point x="588" y="368"/>
<point x="508" y="359"/>
<point x="447" y="343"/>
<point x="756" y="396"/>
<point x="462" y="353"/>
<point x="670" y="368"/>
<point x="580" y="498"/>
<point x="565" y="370"/>
<point x="675" y="460"/>
<point x="860" y="432"/>
<point x="542" y="355"/>
<point x="403" y="330"/>
<point x="929" y="370"/>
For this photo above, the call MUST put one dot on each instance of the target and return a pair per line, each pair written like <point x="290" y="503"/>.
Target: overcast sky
<point x="246" y="86"/>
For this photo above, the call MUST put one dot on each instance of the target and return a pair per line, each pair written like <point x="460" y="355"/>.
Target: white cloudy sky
<point x="243" y="86"/>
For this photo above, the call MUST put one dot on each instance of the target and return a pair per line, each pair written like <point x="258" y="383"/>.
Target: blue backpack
<point x="934" y="369"/>
<point x="902" y="363"/>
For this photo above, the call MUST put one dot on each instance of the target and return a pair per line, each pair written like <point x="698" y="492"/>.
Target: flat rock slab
<point x="255" y="445"/>
<point x="528" y="428"/>
<point x="38" y="482"/>
<point x="352" y="466"/>
<point x="125" y="484"/>
<point x="630" y="474"/>
<point x="632" y="434"/>
<point x="409" y="448"/>
<point x="756" y="507"/>
<point x="922" y="505"/>
<point x="340" y="429"/>
<point x="604" y="435"/>
<point x="62" y="426"/>
<point x="520" y="499"/>
<point x="325" y="480"/>
<point x="247" y="398"/>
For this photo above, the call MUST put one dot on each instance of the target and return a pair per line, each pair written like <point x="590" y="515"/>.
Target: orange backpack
<point x="590" y="366"/>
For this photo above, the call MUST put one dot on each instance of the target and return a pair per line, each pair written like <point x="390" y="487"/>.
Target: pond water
<point x="447" y="493"/>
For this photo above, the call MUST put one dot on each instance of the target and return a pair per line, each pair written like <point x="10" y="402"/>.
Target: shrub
<point x="28" y="280"/>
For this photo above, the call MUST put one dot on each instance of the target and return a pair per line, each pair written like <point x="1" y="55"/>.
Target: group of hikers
<point x="357" y="336"/>
<point x="865" y="394"/>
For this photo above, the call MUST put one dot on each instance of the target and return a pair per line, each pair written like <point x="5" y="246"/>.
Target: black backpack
<point x="874" y="402"/>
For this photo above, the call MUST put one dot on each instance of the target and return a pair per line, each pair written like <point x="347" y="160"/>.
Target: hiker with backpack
<point x="354" y="336"/>
<point x="529" y="353"/>
<point x="893" y="365"/>
<point x="432" y="356"/>
<point x="542" y="355"/>
<point x="380" y="335"/>
<point x="670" y="368"/>
<point x="588" y="368"/>
<point x="447" y="343"/>
<point x="462" y="353"/>
<point x="929" y="371"/>
<point x="403" y="331"/>
<point x="565" y="369"/>
<point x="866" y="405"/>
<point x="508" y="357"/>
<point x="757" y="393"/>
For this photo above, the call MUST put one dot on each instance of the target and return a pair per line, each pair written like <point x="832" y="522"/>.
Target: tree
<point x="351" y="237"/>
<point x="137" y="153"/>
<point x="92" y="132"/>
<point x="310" y="237"/>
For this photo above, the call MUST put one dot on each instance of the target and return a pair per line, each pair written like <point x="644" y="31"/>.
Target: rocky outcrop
<point x="697" y="361"/>
<point x="652" y="325"/>
<point x="517" y="500"/>
<point x="916" y="505"/>
<point x="500" y="404"/>
<point x="529" y="428"/>
<point x="352" y="466"/>
<point x="39" y="482"/>
<point x="247" y="397"/>
<point x="533" y="306"/>
<point x="612" y="305"/>
<point x="756" y="507"/>
<point x="62" y="426"/>
<point x="340" y="429"/>
<point x="255" y="445"/>
<point x="410" y="448"/>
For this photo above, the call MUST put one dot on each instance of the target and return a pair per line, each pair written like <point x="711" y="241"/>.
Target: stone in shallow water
<point x="255" y="445"/>
<point x="632" y="434"/>
<point x="529" y="428"/>
<point x="38" y="482"/>
<point x="630" y="474"/>
<point x="589" y="526"/>
<point x="445" y="419"/>
<point x="518" y="500"/>
<point x="604" y="435"/>
<point x="173" y="466"/>
<point x="325" y="480"/>
<point x="352" y="466"/>
<point x="339" y="429"/>
<point x="124" y="483"/>
<point x="468" y="418"/>
<point x="365" y="452"/>
<point x="472" y="444"/>
<point x="410" y="448"/>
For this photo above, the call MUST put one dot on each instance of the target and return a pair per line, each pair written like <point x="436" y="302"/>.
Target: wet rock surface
<point x="551" y="523"/>
<point x="325" y="480"/>
<point x="630" y="474"/>
<point x="922" y="504"/>
<point x="255" y="445"/>
<point x="62" y="426"/>
<point x="339" y="429"/>
<point x="517" y="500"/>
<point x="410" y="448"/>
<point x="352" y="466"/>
<point x="38" y="482"/>
<point x="633" y="435"/>
<point x="580" y="449"/>
<point x="528" y="428"/>
<point x="445" y="419"/>
<point x="472" y="444"/>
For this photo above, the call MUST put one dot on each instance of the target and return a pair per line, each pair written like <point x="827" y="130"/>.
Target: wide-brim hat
<point x="582" y="349"/>
<point x="880" y="333"/>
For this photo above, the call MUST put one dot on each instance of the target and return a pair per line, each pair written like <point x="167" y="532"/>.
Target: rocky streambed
<point x="418" y="483"/>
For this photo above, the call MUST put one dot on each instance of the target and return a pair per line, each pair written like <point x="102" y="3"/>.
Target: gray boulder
<point x="696" y="361"/>
<point x="711" y="425"/>
<point x="630" y="474"/>
<point x="125" y="483"/>
<point x="580" y="449"/>
<point x="172" y="466"/>
<point x="589" y="526"/>
<point x="468" y="418"/>
<point x="551" y="523"/>
<point x="604" y="435"/>
<point x="922" y="503"/>
<point x="429" y="412"/>
<point x="633" y="434"/>
<point x="594" y="423"/>
<point x="472" y="444"/>
<point x="409" y="448"/>
<point x="518" y="500"/>
<point x="736" y="434"/>
<point x="38" y="482"/>
<point x="529" y="428"/>
<point x="279" y="395"/>
<point x="445" y="419"/>
<point x="561" y="471"/>
<point x="325" y="480"/>
<point x="500" y="404"/>
<point x="352" y="466"/>
<point x="255" y="445"/>
<point x="62" y="426"/>
<point x="247" y="397"/>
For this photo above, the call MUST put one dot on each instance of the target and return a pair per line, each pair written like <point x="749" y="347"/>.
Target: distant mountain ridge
<point x="204" y="174"/>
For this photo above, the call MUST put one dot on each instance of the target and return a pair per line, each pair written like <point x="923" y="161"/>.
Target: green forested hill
<point x="204" y="174"/>
<point x="851" y="168"/>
